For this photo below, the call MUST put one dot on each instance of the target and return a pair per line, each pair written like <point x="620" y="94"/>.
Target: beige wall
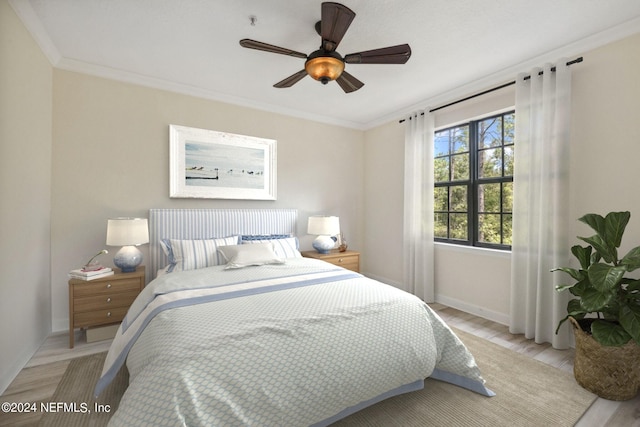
<point x="605" y="146"/>
<point x="605" y="154"/>
<point x="25" y="170"/>
<point x="383" y="186"/>
<point x="111" y="158"/>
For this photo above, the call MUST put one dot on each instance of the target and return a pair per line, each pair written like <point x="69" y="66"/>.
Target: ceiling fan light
<point x="324" y="68"/>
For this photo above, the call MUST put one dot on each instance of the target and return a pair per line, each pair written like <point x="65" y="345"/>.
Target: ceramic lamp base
<point x="323" y="244"/>
<point x="128" y="258"/>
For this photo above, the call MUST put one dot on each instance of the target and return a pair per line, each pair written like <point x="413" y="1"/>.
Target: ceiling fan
<point x="325" y="64"/>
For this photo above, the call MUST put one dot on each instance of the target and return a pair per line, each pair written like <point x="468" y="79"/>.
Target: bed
<point x="239" y="329"/>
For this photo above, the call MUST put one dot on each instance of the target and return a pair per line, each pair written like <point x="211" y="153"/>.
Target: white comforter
<point x="304" y="343"/>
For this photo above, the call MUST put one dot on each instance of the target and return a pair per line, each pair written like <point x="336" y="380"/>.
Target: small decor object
<point x="128" y="233"/>
<point x="326" y="228"/>
<point x="342" y="243"/>
<point x="83" y="274"/>
<point x="92" y="264"/>
<point x="217" y="165"/>
<point x="607" y="341"/>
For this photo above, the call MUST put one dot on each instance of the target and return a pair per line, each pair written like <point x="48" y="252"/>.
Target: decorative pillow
<point x="287" y="247"/>
<point x="263" y="237"/>
<point x="239" y="256"/>
<point x="193" y="254"/>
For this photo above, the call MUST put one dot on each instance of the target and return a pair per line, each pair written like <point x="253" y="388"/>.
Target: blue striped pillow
<point x="193" y="254"/>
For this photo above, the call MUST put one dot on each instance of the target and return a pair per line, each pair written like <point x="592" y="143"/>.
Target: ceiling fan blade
<point x="252" y="44"/>
<point x="387" y="55"/>
<point x="335" y="22"/>
<point x="291" y="80"/>
<point x="348" y="83"/>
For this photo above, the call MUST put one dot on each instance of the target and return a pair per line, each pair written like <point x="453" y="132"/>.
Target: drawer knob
<point x="341" y="260"/>
<point x="109" y="299"/>
<point x="109" y="314"/>
<point x="108" y="285"/>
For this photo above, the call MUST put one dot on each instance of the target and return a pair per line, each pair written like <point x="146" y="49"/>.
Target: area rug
<point x="528" y="393"/>
<point x="76" y="390"/>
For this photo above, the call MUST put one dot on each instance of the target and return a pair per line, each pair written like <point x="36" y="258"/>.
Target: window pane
<point x="441" y="169"/>
<point x="489" y="228"/>
<point x="458" y="226"/>
<point x="458" y="199"/>
<point x="507" y="229"/>
<point x="508" y="161"/>
<point x="440" y="199"/>
<point x="490" y="163"/>
<point x="441" y="143"/>
<point x="489" y="198"/>
<point x="509" y="124"/>
<point x="440" y="225"/>
<point x="507" y="197"/>
<point x="490" y="133"/>
<point x="460" y="167"/>
<point x="460" y="139"/>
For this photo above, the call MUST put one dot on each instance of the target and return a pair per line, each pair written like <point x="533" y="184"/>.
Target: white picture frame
<point x="218" y="165"/>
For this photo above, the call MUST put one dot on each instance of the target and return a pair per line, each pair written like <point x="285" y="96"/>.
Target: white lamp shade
<point x="127" y="231"/>
<point x="323" y="225"/>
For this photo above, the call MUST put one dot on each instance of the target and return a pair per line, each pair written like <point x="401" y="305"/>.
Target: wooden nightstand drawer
<point x="107" y="287"/>
<point x="348" y="259"/>
<point x="107" y="301"/>
<point x="102" y="301"/>
<point x="100" y="317"/>
<point x="350" y="263"/>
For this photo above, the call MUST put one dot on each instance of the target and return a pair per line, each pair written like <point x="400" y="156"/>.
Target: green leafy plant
<point x="606" y="298"/>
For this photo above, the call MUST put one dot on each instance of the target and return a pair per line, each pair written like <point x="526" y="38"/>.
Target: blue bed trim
<point x="461" y="381"/>
<point x="407" y="388"/>
<point x="437" y="374"/>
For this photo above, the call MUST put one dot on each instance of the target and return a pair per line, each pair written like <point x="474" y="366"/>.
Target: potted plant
<point x="605" y="313"/>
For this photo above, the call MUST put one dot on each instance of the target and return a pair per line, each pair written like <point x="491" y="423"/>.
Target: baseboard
<point x="494" y="316"/>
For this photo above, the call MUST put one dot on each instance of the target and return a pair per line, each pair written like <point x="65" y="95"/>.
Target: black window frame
<point x="473" y="184"/>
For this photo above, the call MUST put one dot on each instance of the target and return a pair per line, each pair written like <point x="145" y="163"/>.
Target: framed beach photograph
<point x="218" y="165"/>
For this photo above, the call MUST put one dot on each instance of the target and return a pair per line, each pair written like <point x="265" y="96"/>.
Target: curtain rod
<point x="493" y="89"/>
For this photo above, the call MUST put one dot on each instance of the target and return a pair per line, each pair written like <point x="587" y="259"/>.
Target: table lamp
<point x="128" y="233"/>
<point x="326" y="228"/>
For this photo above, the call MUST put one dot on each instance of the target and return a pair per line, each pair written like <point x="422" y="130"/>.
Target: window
<point x="473" y="174"/>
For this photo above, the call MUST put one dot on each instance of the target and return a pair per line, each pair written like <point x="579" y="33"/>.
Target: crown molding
<point x="33" y="24"/>
<point x="28" y="16"/>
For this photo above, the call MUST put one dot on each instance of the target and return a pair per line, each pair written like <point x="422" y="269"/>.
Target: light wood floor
<point x="39" y="379"/>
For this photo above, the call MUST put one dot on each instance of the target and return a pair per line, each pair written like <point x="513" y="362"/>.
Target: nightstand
<point x="102" y="301"/>
<point x="347" y="259"/>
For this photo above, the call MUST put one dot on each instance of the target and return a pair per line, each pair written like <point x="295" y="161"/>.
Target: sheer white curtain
<point x="541" y="204"/>
<point x="418" y="206"/>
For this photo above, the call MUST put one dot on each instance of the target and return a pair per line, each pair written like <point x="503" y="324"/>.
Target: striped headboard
<point x="211" y="223"/>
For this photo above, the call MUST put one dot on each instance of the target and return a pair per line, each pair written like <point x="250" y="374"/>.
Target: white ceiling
<point x="191" y="46"/>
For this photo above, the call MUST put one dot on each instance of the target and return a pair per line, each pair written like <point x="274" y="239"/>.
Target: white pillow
<point x="283" y="247"/>
<point x="239" y="256"/>
<point x="193" y="254"/>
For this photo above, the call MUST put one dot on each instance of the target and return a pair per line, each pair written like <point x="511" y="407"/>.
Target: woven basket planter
<point x="610" y="372"/>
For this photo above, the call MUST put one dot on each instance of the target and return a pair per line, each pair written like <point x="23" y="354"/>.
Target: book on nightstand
<point x="82" y="274"/>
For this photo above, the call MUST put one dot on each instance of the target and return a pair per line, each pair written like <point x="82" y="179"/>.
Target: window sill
<point x="449" y="247"/>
